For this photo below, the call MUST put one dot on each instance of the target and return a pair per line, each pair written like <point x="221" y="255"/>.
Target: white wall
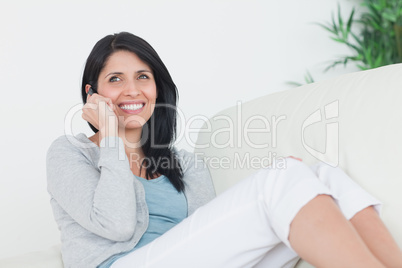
<point x="218" y="52"/>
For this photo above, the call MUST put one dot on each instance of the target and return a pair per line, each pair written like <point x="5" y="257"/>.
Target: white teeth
<point x="132" y="107"/>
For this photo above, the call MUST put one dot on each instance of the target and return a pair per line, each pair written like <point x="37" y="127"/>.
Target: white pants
<point x="248" y="225"/>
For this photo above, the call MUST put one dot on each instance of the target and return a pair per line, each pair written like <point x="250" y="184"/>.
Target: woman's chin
<point x="129" y="127"/>
<point x="133" y="123"/>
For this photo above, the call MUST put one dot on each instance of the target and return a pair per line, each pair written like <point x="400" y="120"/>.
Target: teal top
<point x="166" y="208"/>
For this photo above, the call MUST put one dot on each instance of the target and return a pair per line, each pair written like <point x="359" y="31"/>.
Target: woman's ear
<point x="87" y="86"/>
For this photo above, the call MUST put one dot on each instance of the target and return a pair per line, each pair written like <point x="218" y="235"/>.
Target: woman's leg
<point x="365" y="220"/>
<point x="322" y="236"/>
<point x="311" y="228"/>
<point x="376" y="236"/>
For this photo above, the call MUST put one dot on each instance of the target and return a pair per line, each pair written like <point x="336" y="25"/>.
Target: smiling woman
<point x="130" y="77"/>
<point x="135" y="201"/>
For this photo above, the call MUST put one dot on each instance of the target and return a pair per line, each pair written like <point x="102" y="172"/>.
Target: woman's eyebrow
<point x="142" y="71"/>
<point x="118" y="73"/>
<point x="113" y="73"/>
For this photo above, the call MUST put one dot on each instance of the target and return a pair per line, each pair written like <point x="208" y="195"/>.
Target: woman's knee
<point x="282" y="176"/>
<point x="328" y="174"/>
<point x="294" y="165"/>
<point x="293" y="171"/>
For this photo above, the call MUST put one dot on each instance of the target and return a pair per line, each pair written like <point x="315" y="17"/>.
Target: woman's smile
<point x="133" y="107"/>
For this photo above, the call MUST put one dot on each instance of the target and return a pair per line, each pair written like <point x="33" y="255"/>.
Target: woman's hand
<point x="100" y="112"/>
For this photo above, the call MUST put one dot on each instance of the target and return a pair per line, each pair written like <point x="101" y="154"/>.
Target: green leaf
<point x="335" y="27"/>
<point x="378" y="61"/>
<point x="333" y="65"/>
<point x="327" y="28"/>
<point x="361" y="67"/>
<point x="376" y="25"/>
<point x="357" y="39"/>
<point x="292" y="83"/>
<point x="308" y="78"/>
<point x="355" y="48"/>
<point x="376" y="7"/>
<point x="383" y="4"/>
<point x="368" y="57"/>
<point x="340" y="21"/>
<point x="350" y="20"/>
<point x="389" y="16"/>
<point x="338" y="40"/>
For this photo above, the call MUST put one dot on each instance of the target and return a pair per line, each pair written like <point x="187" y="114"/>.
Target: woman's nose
<point x="131" y="89"/>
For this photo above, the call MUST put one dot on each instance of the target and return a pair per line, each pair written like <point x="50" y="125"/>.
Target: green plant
<point x="379" y="41"/>
<point x="308" y="78"/>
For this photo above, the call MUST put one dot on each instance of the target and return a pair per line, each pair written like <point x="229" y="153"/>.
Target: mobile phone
<point x="91" y="91"/>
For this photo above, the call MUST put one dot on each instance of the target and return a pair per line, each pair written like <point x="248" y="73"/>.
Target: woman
<point x="125" y="198"/>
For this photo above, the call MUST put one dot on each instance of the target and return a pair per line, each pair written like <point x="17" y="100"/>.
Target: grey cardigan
<point x="98" y="204"/>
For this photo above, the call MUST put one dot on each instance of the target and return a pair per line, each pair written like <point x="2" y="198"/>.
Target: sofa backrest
<point x="353" y="121"/>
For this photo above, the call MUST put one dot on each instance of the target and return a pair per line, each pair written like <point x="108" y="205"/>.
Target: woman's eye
<point x="114" y="79"/>
<point x="143" y="76"/>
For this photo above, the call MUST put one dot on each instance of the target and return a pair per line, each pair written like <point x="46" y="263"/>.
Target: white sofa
<point x="353" y="121"/>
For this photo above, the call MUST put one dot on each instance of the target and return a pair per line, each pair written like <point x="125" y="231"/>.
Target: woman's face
<point x="130" y="84"/>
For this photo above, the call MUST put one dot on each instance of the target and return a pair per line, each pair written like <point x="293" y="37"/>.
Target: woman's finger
<point x="111" y="105"/>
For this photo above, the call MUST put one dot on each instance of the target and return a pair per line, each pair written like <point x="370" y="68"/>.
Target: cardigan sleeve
<point x="101" y="198"/>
